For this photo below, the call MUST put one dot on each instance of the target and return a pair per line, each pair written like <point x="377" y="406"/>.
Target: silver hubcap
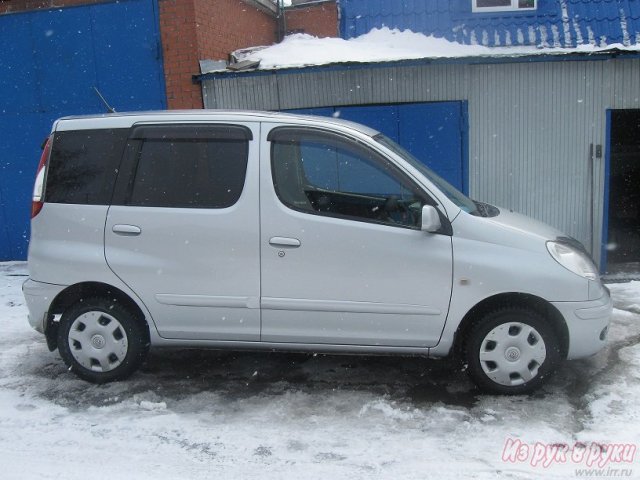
<point x="512" y="353"/>
<point x="98" y="341"/>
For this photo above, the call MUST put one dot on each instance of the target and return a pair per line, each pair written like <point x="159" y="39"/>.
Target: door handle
<point x="284" y="242"/>
<point x="127" y="230"/>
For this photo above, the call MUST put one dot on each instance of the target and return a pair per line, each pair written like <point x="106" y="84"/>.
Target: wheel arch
<point x="75" y="293"/>
<point x="523" y="300"/>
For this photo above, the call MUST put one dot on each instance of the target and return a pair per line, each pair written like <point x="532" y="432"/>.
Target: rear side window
<point x="83" y="166"/>
<point x="189" y="166"/>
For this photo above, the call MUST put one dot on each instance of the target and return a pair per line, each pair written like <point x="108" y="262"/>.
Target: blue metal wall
<point x="50" y="62"/>
<point x="554" y="23"/>
<point x="436" y="132"/>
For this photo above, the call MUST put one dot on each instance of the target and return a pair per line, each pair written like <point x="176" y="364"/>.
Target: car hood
<point x="508" y="228"/>
<point x="516" y="222"/>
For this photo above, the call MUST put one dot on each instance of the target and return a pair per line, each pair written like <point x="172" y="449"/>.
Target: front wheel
<point x="511" y="351"/>
<point x="101" y="340"/>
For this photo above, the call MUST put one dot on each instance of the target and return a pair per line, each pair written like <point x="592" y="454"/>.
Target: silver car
<point x="257" y="230"/>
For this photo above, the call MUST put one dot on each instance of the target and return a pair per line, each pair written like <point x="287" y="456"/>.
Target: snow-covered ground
<point x="203" y="414"/>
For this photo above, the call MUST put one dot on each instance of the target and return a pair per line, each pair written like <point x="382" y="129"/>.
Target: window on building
<point x="503" y="5"/>
<point x="190" y="166"/>
<point x="325" y="174"/>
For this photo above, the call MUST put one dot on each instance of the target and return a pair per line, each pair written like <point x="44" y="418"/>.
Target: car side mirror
<point x="430" y="219"/>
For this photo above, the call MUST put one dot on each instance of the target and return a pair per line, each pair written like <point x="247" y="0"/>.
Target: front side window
<point x="452" y="193"/>
<point x="503" y="5"/>
<point x="326" y="174"/>
<point x="189" y="166"/>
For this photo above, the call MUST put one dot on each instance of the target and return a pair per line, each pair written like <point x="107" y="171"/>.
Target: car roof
<point x="127" y="119"/>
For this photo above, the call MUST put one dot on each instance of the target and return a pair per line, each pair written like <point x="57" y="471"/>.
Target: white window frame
<point x="513" y="7"/>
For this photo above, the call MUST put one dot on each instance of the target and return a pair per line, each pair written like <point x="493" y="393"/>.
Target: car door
<point x="182" y="230"/>
<point x="343" y="259"/>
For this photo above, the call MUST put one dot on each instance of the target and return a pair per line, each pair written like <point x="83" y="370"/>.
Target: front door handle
<point x="284" y="242"/>
<point x="127" y="230"/>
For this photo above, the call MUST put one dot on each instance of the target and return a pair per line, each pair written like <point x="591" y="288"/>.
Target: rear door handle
<point x="127" y="230"/>
<point x="284" y="242"/>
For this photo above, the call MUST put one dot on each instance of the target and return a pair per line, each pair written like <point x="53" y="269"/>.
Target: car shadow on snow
<point x="417" y="379"/>
<point x="176" y="375"/>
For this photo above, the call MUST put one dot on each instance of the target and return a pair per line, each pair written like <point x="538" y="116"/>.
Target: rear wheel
<point x="511" y="351"/>
<point x="101" y="340"/>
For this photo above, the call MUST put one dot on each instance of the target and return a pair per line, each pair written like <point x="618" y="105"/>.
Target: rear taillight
<point x="38" y="188"/>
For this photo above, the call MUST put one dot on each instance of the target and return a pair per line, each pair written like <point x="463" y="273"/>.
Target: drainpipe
<point x="282" y="21"/>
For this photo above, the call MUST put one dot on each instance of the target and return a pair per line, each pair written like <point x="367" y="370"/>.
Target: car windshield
<point x="452" y="193"/>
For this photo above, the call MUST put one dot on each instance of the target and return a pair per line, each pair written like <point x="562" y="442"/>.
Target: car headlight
<point x="573" y="260"/>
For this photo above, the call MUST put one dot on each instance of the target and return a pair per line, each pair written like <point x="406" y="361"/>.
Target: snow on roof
<point x="384" y="44"/>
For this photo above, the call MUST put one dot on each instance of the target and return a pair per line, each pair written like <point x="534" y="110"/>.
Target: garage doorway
<point x="623" y="229"/>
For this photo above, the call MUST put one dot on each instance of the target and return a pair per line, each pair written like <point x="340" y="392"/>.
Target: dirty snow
<point x="384" y="44"/>
<point x="204" y="414"/>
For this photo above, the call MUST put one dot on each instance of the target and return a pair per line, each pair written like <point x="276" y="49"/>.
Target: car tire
<point x="102" y="340"/>
<point x="511" y="351"/>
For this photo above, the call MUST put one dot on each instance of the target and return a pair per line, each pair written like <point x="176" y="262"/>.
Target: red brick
<point x="193" y="30"/>
<point x="320" y="20"/>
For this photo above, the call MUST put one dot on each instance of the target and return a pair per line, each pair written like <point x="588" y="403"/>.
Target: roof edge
<point x="563" y="56"/>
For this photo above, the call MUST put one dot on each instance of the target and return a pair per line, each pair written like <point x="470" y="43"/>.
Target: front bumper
<point x="39" y="296"/>
<point x="588" y="324"/>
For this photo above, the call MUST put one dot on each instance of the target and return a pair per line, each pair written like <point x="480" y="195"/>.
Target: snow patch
<point x="385" y="44"/>
<point x="623" y="26"/>
<point x="153" y="406"/>
<point x="387" y="409"/>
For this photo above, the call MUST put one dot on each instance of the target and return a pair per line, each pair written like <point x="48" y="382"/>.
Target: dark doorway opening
<point x="624" y="192"/>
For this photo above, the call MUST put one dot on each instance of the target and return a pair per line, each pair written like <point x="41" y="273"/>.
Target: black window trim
<point x="144" y="131"/>
<point x="446" y="228"/>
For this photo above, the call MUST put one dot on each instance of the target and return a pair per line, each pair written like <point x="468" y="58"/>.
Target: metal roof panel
<point x="565" y="23"/>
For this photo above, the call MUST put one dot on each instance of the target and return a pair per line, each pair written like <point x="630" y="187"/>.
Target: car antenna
<point x="110" y="109"/>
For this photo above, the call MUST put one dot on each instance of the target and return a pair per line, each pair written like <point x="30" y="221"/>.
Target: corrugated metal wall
<point x="50" y="61"/>
<point x="566" y="23"/>
<point x="530" y="124"/>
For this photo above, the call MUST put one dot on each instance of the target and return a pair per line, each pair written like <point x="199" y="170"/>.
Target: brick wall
<point x="192" y="30"/>
<point x="319" y="19"/>
<point x="227" y="25"/>
<point x="180" y="53"/>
